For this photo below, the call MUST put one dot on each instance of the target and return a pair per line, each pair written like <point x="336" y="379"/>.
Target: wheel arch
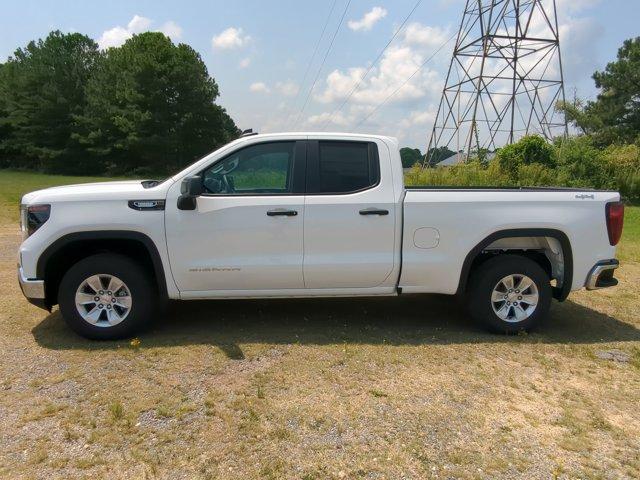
<point x="58" y="257"/>
<point x="560" y="293"/>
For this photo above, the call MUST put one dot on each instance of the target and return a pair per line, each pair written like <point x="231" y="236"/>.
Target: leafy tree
<point x="410" y="156"/>
<point x="576" y="114"/>
<point x="150" y="107"/>
<point x="5" y="128"/>
<point x="615" y="115"/>
<point x="41" y="90"/>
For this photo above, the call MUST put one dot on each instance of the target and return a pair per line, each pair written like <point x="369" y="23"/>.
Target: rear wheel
<point x="509" y="293"/>
<point x="107" y="296"/>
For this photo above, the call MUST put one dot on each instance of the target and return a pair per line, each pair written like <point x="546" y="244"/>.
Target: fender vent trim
<point x="146" y="205"/>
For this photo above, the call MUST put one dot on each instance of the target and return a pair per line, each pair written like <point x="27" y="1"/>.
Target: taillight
<point x="33" y="217"/>
<point x="615" y="219"/>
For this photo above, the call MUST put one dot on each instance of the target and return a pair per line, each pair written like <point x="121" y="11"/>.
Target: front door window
<point x="262" y="169"/>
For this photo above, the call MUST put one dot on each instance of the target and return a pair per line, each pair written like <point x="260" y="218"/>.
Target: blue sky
<point x="258" y="52"/>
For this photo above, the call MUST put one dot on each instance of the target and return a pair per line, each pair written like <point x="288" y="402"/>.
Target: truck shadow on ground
<point x="407" y="320"/>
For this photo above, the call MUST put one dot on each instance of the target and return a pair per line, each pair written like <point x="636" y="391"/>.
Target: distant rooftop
<point x="454" y="159"/>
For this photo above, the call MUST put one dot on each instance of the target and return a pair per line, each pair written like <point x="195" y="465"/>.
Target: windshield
<point x="154" y="183"/>
<point x="204" y="161"/>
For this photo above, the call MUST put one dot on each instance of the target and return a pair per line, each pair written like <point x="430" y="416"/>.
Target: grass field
<point x="15" y="184"/>
<point x="312" y="389"/>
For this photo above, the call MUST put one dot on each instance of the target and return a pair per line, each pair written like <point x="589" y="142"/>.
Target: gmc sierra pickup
<point x="309" y="215"/>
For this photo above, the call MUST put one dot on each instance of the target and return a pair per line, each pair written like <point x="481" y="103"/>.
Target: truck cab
<point x="300" y="215"/>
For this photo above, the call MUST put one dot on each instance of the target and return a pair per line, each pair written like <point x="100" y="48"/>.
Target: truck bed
<point x="441" y="225"/>
<point x="501" y="188"/>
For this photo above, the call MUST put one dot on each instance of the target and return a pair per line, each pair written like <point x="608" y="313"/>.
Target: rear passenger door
<point x="349" y="223"/>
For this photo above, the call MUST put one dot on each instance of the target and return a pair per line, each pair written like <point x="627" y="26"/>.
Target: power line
<point x="323" y="61"/>
<point x="357" y="85"/>
<point x="406" y="81"/>
<point x="313" y="56"/>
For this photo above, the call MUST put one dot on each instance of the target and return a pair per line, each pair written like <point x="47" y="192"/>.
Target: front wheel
<point x="106" y="297"/>
<point x="509" y="294"/>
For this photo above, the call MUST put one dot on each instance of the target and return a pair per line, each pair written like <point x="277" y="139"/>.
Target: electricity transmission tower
<point x="504" y="79"/>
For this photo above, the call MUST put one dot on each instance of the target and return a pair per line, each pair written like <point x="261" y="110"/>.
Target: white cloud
<point x="230" y="38"/>
<point x="572" y="6"/>
<point x="116" y="36"/>
<point x="339" y="119"/>
<point x="398" y="63"/>
<point x="409" y="106"/>
<point x="580" y="37"/>
<point x="288" y="88"/>
<point x="419" y="35"/>
<point x="419" y="118"/>
<point x="138" y="24"/>
<point x="259" y="87"/>
<point x="244" y="63"/>
<point x="172" y="30"/>
<point x="367" y="22"/>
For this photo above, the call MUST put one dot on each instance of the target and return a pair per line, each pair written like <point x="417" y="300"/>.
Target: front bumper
<point x="601" y="275"/>
<point x="32" y="289"/>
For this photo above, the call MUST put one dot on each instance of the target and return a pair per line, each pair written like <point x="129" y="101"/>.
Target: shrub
<point x="623" y="157"/>
<point x="536" y="174"/>
<point x="465" y="174"/>
<point x="529" y="150"/>
<point x="581" y="164"/>
<point x="629" y="187"/>
<point x="623" y="165"/>
<point x="574" y="162"/>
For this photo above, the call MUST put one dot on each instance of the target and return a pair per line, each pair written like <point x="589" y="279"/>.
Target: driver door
<point x="246" y="232"/>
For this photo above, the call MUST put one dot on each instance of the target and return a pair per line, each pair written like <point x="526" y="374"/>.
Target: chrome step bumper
<point x="601" y="275"/>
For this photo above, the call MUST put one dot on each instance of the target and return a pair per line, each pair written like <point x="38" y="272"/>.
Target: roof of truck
<point x="323" y="134"/>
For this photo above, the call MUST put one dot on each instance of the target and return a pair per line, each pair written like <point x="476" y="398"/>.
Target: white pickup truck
<point x="309" y="215"/>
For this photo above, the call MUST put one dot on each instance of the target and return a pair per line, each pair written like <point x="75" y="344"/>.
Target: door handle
<point x="282" y="213"/>
<point x="374" y="211"/>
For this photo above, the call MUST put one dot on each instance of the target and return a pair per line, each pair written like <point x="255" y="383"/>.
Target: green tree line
<point x="605" y="153"/>
<point x="146" y="107"/>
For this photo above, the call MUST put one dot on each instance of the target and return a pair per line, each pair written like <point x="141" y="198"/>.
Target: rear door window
<point x="345" y="167"/>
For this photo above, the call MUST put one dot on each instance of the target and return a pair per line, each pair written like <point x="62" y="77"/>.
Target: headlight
<point x="32" y="217"/>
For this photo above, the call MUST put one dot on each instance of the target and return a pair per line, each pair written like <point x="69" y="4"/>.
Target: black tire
<point x="485" y="278"/>
<point x="138" y="281"/>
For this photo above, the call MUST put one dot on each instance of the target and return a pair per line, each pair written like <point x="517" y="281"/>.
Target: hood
<point x="123" y="189"/>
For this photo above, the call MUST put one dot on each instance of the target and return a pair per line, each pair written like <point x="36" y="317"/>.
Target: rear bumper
<point x="32" y="289"/>
<point x="601" y="275"/>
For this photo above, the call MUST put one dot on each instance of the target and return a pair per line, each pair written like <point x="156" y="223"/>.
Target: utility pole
<point x="504" y="79"/>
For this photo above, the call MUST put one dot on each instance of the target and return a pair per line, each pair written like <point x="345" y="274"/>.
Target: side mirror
<point x="190" y="188"/>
